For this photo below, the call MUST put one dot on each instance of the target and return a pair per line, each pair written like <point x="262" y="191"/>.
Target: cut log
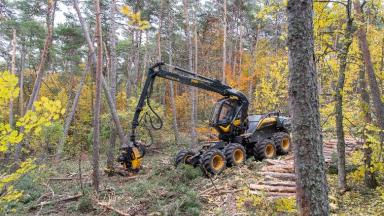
<point x="281" y="169"/>
<point x="280" y="189"/>
<point x="273" y="194"/>
<point x="276" y="162"/>
<point x="276" y="183"/>
<point x="285" y="176"/>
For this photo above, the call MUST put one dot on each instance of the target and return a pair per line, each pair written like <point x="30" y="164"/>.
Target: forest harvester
<point x="240" y="135"/>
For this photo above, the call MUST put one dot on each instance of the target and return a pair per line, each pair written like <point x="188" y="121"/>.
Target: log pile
<point x="279" y="175"/>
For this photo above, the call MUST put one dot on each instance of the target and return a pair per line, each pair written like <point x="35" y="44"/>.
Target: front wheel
<point x="213" y="162"/>
<point x="183" y="157"/>
<point x="235" y="154"/>
<point x="283" y="142"/>
<point x="264" y="150"/>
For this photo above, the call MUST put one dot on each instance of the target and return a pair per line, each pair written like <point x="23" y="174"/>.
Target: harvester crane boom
<point x="185" y="77"/>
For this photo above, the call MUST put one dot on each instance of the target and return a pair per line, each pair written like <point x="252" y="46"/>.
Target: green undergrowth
<point x="161" y="189"/>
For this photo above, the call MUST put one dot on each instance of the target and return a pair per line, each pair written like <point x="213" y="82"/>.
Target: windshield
<point x="215" y="113"/>
<point x="226" y="113"/>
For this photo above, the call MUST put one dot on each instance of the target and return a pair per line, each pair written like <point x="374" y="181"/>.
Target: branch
<point x="67" y="199"/>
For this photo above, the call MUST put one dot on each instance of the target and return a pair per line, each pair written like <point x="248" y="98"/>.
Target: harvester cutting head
<point x="131" y="157"/>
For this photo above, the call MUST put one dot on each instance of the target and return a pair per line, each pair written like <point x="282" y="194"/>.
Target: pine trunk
<point x="112" y="107"/>
<point x="190" y="68"/>
<point x="378" y="107"/>
<point x="40" y="71"/>
<point x="113" y="81"/>
<point x="224" y="40"/>
<point x="369" y="177"/>
<point x="96" y="110"/>
<point x="342" y="56"/>
<point x="312" y="189"/>
<point x="71" y="114"/>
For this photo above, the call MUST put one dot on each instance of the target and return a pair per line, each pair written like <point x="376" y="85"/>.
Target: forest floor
<point x="161" y="189"/>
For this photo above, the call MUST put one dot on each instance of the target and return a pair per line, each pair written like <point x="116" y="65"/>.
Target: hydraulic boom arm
<point x="180" y="75"/>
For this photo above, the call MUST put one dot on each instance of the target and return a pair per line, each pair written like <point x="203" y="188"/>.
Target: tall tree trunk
<point x="71" y="114"/>
<point x="252" y="67"/>
<point x="45" y="53"/>
<point x="13" y="71"/>
<point x="190" y="68"/>
<point x="40" y="71"/>
<point x="311" y="183"/>
<point x="21" y="81"/>
<point x="224" y="40"/>
<point x="112" y="107"/>
<point x="172" y="90"/>
<point x="378" y="106"/>
<point x="113" y="81"/>
<point x="369" y="177"/>
<point x="342" y="56"/>
<point x="196" y="66"/>
<point x="96" y="111"/>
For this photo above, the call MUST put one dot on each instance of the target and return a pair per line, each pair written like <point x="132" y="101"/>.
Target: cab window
<point x="226" y="113"/>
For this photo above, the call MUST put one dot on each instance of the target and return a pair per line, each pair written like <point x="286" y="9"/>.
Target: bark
<point x="378" y="106"/>
<point x="112" y="107"/>
<point x="224" y="39"/>
<point x="96" y="114"/>
<point x="342" y="56"/>
<point x="369" y="177"/>
<point x="312" y="189"/>
<point x="190" y="68"/>
<point x="70" y="116"/>
<point x="113" y="81"/>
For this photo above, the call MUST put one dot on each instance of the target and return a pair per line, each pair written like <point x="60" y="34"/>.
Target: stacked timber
<point x="279" y="179"/>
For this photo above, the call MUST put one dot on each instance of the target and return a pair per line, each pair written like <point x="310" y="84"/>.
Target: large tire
<point x="183" y="156"/>
<point x="235" y="154"/>
<point x="266" y="149"/>
<point x="282" y="142"/>
<point x="212" y="162"/>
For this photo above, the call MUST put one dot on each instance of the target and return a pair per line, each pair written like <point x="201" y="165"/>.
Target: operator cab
<point x="228" y="116"/>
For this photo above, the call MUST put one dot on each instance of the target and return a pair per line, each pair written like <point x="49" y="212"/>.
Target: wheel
<point x="264" y="149"/>
<point x="183" y="156"/>
<point x="235" y="154"/>
<point x="282" y="142"/>
<point x="212" y="162"/>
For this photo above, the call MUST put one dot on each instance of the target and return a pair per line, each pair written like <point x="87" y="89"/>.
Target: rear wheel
<point x="282" y="142"/>
<point x="235" y="154"/>
<point x="183" y="157"/>
<point x="264" y="150"/>
<point x="213" y="162"/>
